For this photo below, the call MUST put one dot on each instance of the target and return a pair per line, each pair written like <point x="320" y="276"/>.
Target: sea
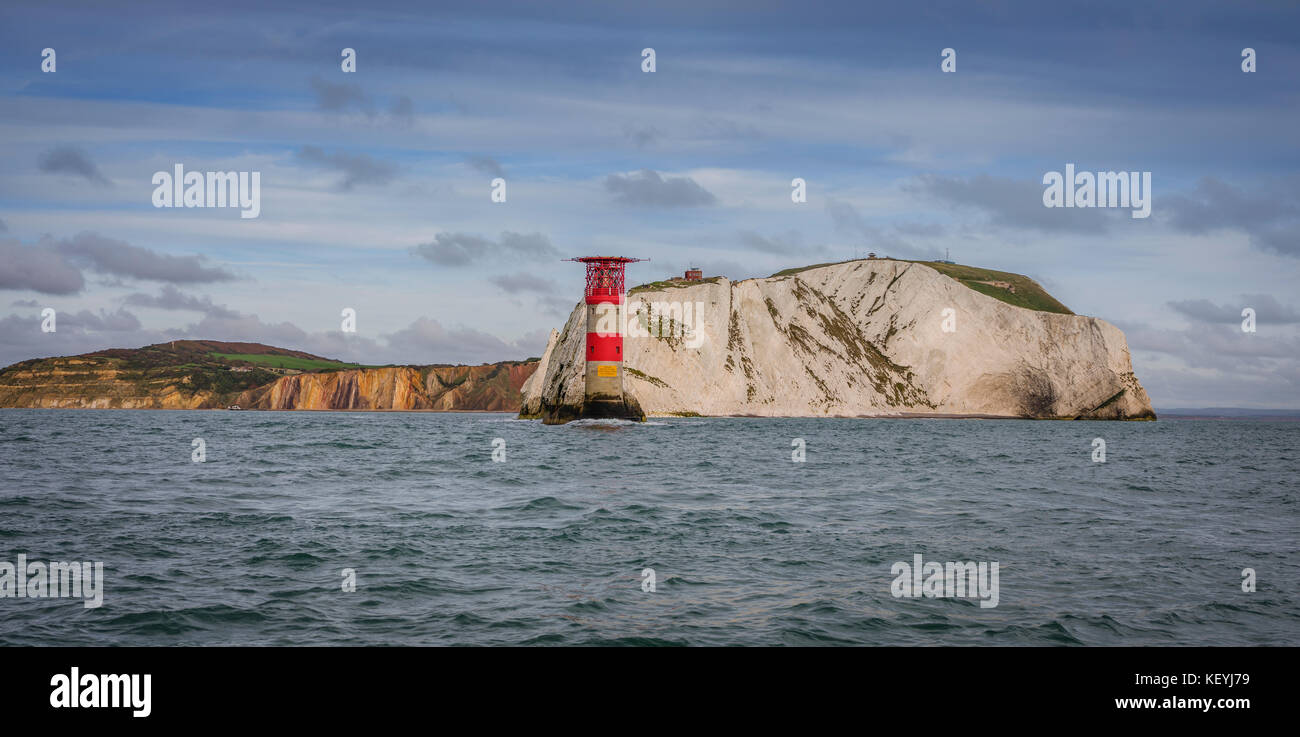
<point x="421" y="528"/>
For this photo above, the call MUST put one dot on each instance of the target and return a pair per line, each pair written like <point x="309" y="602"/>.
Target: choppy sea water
<point x="548" y="547"/>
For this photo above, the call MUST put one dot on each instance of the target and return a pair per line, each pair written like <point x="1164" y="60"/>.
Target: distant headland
<point x="211" y="374"/>
<point x="868" y="337"/>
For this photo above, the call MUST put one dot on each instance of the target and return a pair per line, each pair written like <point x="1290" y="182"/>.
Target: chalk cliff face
<point x="859" y="338"/>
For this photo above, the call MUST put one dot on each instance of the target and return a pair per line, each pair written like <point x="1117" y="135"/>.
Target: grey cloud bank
<point x="463" y="249"/>
<point x="119" y="258"/>
<point x="1269" y="214"/>
<point x="355" y="168"/>
<point x="37" y="269"/>
<point x="338" y="96"/>
<point x="74" y="161"/>
<point x="1010" y="203"/>
<point x="1267" y="309"/>
<point x="648" y="188"/>
<point x="524" y="282"/>
<point x="487" y="165"/>
<point x="171" y="298"/>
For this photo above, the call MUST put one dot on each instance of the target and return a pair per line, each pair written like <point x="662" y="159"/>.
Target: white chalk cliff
<point x="860" y="338"/>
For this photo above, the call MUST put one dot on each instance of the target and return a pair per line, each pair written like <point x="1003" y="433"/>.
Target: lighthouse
<point x="604" y="296"/>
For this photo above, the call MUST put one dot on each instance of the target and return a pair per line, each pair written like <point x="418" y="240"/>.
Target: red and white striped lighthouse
<point x="604" y="297"/>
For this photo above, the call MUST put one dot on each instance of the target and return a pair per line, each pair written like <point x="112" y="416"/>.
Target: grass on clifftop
<point x="1028" y="294"/>
<point x="795" y="270"/>
<point x="656" y="286"/>
<point x="287" y="362"/>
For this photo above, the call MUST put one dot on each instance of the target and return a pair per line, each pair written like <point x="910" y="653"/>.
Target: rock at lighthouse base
<point x="569" y="402"/>
<point x="600" y="409"/>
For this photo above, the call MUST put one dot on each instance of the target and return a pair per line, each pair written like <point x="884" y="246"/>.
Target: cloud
<point x="3" y="228"/>
<point x="39" y="269"/>
<point x="1229" y="358"/>
<point x="342" y="97"/>
<point x="427" y="340"/>
<point x="356" y="168"/>
<point x="171" y="298"/>
<point x="1269" y="215"/>
<point x="70" y="323"/>
<point x="548" y="299"/>
<point x="487" y="165"/>
<point x="339" y="96"/>
<point x="1011" y="203"/>
<point x="462" y="249"/>
<point x="648" y="188"/>
<point x="249" y="328"/>
<point x="848" y="221"/>
<point x="711" y="127"/>
<point x="54" y="267"/>
<point x="1267" y="310"/>
<point x="103" y="322"/>
<point x="72" y="160"/>
<point x="455" y="249"/>
<point x="402" y="111"/>
<point x="555" y="305"/>
<point x="21" y="337"/>
<point x="784" y="244"/>
<point x="642" y="135"/>
<point x="1215" y="365"/>
<point x="525" y="282"/>
<point x="845" y="217"/>
<point x="118" y="258"/>
<point x="924" y="230"/>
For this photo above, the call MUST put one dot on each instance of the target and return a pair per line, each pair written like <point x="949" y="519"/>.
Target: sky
<point x="376" y="185"/>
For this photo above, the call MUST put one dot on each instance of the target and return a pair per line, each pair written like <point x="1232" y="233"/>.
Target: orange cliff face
<point x="491" y="387"/>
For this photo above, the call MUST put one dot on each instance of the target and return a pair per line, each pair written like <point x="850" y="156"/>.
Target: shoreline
<point x="223" y="409"/>
<point x="894" y="416"/>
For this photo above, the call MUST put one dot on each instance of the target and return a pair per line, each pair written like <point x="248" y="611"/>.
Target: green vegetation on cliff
<point x="656" y="286"/>
<point x="1027" y="294"/>
<point x="286" y="362"/>
<point x="1023" y="292"/>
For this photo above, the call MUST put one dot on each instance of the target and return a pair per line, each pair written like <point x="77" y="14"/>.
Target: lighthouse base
<point x="625" y="408"/>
